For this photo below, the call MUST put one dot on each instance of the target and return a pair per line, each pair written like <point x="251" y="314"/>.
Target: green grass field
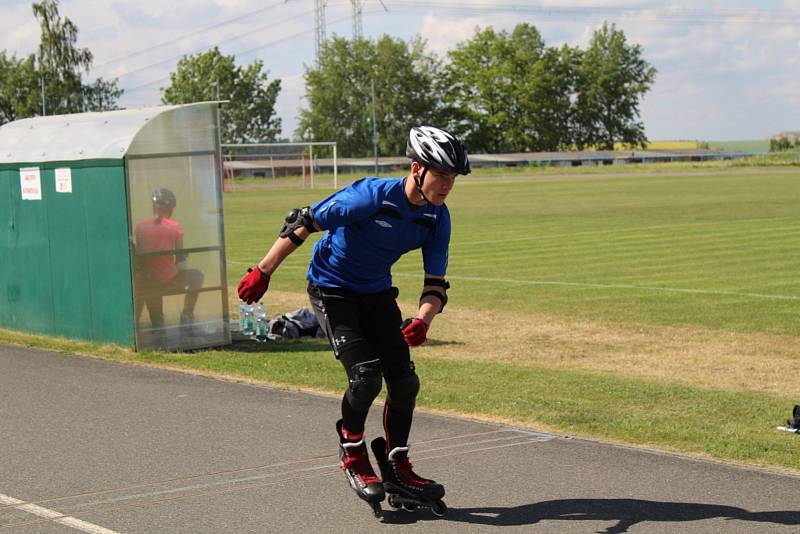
<point x="718" y="250"/>
<point x="656" y="309"/>
<point x="711" y="253"/>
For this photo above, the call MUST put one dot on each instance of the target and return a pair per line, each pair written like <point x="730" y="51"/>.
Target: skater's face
<point x="161" y="210"/>
<point x="437" y="185"/>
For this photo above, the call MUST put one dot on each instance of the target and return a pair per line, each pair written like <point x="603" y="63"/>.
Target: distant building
<point x="791" y="136"/>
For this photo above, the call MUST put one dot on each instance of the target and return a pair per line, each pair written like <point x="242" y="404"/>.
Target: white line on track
<point x="612" y="286"/>
<point x="329" y="471"/>
<point x="423" y="454"/>
<point x="54" y="516"/>
<point x="323" y="457"/>
<point x="619" y="232"/>
<point x="603" y="286"/>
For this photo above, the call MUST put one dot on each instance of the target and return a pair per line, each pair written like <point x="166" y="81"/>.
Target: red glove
<point x="253" y="286"/>
<point x="415" y="331"/>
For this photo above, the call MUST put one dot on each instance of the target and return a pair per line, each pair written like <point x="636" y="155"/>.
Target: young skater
<point x="370" y="224"/>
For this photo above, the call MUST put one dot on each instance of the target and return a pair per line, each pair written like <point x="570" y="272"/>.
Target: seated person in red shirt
<point x="161" y="274"/>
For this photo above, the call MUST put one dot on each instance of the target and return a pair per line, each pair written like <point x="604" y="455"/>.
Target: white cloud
<point x="789" y="90"/>
<point x="289" y="102"/>
<point x="443" y="34"/>
<point x="728" y="72"/>
<point x="597" y="3"/>
<point x="20" y="33"/>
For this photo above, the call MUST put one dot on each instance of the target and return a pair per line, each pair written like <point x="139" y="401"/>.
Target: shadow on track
<point x="625" y="512"/>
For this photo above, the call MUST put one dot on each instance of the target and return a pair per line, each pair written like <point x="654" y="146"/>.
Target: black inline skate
<point x="405" y="488"/>
<point x="359" y="472"/>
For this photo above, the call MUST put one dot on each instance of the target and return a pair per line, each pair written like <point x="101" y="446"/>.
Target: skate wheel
<point x="377" y="511"/>
<point x="439" y="509"/>
<point x="410" y="507"/>
<point x="393" y="502"/>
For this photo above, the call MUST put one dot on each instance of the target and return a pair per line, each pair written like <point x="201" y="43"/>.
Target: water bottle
<point x="261" y="323"/>
<point x="242" y="318"/>
<point x="249" y="326"/>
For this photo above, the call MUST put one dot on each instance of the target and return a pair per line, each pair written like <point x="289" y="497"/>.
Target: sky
<point x="726" y="70"/>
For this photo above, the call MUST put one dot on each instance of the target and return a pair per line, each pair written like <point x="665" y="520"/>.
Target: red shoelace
<point x="405" y="470"/>
<point x="361" y="467"/>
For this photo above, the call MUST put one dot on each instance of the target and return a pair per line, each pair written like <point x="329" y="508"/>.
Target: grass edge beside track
<point x="712" y="424"/>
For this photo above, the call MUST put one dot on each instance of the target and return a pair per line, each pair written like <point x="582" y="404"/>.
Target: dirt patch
<point x="763" y="363"/>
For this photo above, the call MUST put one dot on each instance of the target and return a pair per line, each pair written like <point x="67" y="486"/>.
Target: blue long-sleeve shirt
<point x="370" y="224"/>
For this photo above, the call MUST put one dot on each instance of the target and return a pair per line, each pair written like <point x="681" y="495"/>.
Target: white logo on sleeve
<point x="381" y="222"/>
<point x="328" y="206"/>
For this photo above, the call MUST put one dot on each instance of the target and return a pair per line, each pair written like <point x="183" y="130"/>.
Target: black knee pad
<point x="403" y="385"/>
<point x="365" y="384"/>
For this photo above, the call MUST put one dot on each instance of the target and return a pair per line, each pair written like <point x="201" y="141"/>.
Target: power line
<point x="192" y="34"/>
<point x="358" y="25"/>
<point x="244" y="53"/>
<point x="319" y="25"/>
<point x="668" y="15"/>
<point x="271" y="43"/>
<point x="721" y="15"/>
<point x="173" y="58"/>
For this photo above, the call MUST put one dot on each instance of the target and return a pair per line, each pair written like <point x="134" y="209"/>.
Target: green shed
<point x="111" y="227"/>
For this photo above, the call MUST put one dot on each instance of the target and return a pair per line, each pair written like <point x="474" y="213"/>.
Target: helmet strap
<point x="419" y="182"/>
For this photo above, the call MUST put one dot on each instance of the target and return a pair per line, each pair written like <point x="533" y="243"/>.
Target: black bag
<point x="794" y="422"/>
<point x="294" y="325"/>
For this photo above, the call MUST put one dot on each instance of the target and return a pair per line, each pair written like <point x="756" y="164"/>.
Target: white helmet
<point x="432" y="147"/>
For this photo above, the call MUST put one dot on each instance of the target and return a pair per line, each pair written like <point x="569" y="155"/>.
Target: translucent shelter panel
<point x="109" y="134"/>
<point x="97" y="172"/>
<point x="186" y="129"/>
<point x="177" y="251"/>
<point x="208" y="329"/>
<point x="192" y="181"/>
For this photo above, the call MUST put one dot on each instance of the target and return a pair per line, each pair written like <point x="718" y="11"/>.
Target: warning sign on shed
<point x="30" y="183"/>
<point x="64" y="180"/>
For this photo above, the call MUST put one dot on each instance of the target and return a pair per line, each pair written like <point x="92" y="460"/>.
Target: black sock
<point x="352" y="419"/>
<point x="397" y="426"/>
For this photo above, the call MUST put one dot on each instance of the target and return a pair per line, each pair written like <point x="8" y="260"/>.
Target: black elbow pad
<point x="297" y="218"/>
<point x="441" y="295"/>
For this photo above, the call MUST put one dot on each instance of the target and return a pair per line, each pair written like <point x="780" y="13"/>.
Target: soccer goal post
<point x="304" y="164"/>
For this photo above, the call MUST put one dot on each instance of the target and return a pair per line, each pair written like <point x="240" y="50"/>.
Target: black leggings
<point x="151" y="294"/>
<point x="365" y="328"/>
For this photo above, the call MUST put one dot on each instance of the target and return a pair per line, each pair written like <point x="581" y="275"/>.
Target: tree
<point x="59" y="62"/>
<point x="57" y="69"/>
<point x="781" y="144"/>
<point x="548" y="100"/>
<point x="19" y="91"/>
<point x="476" y="82"/>
<point x="339" y="92"/>
<point x="102" y="95"/>
<point x="612" y="78"/>
<point x="508" y="93"/>
<point x="249" y="116"/>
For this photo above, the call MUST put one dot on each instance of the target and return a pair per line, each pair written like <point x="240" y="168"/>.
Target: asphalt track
<point x="102" y="447"/>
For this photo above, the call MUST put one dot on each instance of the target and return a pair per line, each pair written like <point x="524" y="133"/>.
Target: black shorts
<point x="362" y="327"/>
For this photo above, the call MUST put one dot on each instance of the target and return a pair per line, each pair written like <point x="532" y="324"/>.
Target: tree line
<point x="50" y="81"/>
<point x="498" y="91"/>
<point x="784" y="143"/>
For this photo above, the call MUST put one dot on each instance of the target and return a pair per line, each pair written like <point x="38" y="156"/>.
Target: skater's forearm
<point x="428" y="310"/>
<point x="279" y="251"/>
<point x="432" y="301"/>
